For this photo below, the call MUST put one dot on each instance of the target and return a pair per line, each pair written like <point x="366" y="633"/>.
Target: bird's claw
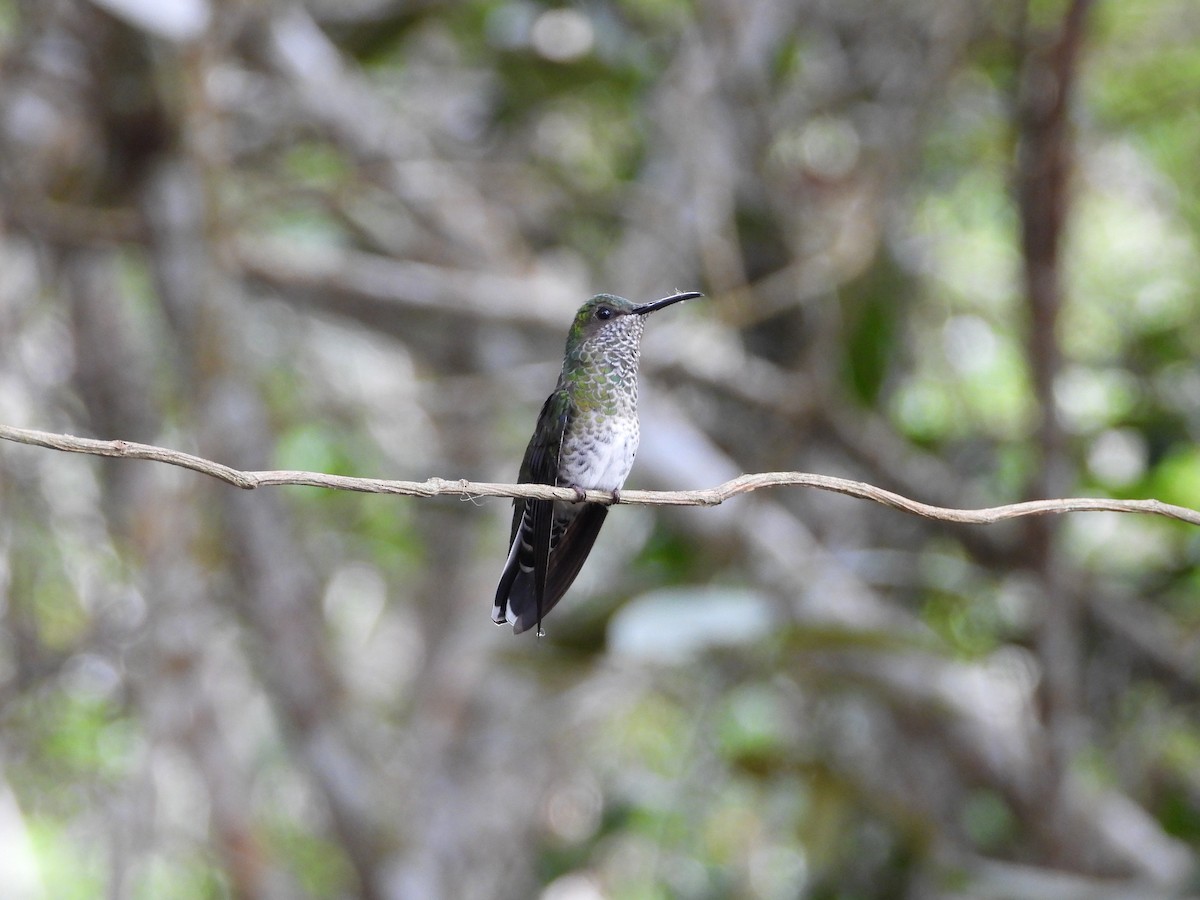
<point x="581" y="496"/>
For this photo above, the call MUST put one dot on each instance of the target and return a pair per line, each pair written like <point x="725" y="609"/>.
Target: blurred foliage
<point x="348" y="237"/>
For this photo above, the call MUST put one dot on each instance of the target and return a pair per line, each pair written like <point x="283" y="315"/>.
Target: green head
<point x="611" y="320"/>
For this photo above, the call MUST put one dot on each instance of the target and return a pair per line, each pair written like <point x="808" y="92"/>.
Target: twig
<point x="743" y="484"/>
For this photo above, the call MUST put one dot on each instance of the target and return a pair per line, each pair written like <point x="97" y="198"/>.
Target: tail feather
<point x="517" y="594"/>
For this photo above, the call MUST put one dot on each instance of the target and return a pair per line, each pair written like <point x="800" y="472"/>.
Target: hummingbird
<point x="586" y="438"/>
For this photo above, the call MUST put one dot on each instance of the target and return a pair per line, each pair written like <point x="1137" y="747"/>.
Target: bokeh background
<point x="950" y="248"/>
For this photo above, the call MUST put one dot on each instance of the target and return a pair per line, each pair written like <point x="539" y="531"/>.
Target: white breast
<point x="601" y="458"/>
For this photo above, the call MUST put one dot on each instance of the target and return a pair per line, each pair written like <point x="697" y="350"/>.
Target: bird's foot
<point x="581" y="496"/>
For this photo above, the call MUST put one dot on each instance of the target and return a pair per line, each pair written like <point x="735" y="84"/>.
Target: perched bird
<point x="586" y="438"/>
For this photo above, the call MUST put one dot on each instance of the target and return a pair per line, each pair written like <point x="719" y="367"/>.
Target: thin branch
<point x="743" y="484"/>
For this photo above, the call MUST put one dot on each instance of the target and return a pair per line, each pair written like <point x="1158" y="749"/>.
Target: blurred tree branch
<point x="1048" y="67"/>
<point x="743" y="484"/>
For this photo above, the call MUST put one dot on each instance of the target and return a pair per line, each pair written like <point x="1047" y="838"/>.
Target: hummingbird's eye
<point x="604" y="313"/>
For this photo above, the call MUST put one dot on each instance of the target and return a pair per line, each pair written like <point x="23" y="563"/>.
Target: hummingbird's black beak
<point x="665" y="301"/>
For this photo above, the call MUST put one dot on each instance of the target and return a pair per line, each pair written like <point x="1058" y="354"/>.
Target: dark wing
<point x="570" y="550"/>
<point x="540" y="465"/>
<point x="526" y="572"/>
